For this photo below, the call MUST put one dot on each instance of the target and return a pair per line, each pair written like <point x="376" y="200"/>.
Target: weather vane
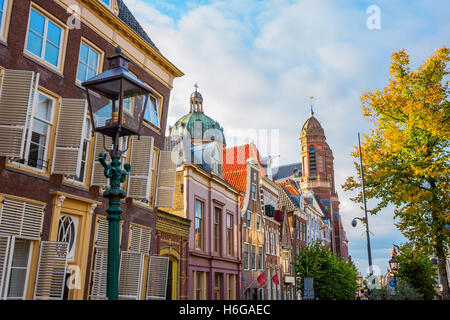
<point x="196" y="86"/>
<point x="311" y="105"/>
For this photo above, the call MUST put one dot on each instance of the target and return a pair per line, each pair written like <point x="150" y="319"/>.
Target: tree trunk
<point x="442" y="266"/>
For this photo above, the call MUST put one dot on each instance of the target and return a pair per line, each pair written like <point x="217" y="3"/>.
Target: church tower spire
<point x="196" y="101"/>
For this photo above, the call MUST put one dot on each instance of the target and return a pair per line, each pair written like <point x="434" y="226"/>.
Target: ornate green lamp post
<point x="117" y="102"/>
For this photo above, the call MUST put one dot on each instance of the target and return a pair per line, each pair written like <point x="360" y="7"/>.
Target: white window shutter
<point x="21" y="218"/>
<point x="98" y="177"/>
<point x="140" y="177"/>
<point x="69" y="137"/>
<point x="99" y="274"/>
<point x="6" y="244"/>
<point x="51" y="272"/>
<point x="158" y="269"/>
<point x="130" y="275"/>
<point x="140" y="238"/>
<point x="166" y="179"/>
<point x="17" y="98"/>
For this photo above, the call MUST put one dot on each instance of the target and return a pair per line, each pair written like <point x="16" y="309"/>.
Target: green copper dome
<point x="210" y="130"/>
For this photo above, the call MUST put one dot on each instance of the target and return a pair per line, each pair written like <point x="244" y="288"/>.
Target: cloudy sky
<point x="258" y="62"/>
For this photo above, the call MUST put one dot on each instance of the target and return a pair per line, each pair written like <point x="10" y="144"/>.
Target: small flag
<point x="275" y="279"/>
<point x="262" y="278"/>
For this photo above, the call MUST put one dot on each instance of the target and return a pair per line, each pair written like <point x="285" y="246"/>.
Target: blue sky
<point x="258" y="62"/>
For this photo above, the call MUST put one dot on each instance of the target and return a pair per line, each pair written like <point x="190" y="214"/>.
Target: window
<point x="19" y="269"/>
<point x="199" y="285"/>
<point x="277" y="247"/>
<point x="253" y="257"/>
<point x="67" y="232"/>
<point x="272" y="244"/>
<point x="85" y="152"/>
<point x="249" y="219"/>
<point x="253" y="191"/>
<point x="258" y="222"/>
<point x="246" y="256"/>
<point x="260" y="258"/>
<point x="198" y="224"/>
<point x="229" y="234"/>
<point x="44" y="38"/>
<point x="40" y="132"/>
<point x="106" y="2"/>
<point x="88" y="62"/>
<point x="312" y="160"/>
<point x="231" y="287"/>
<point x="267" y="242"/>
<point x="3" y="5"/>
<point x="217" y="281"/>
<point x="152" y="110"/>
<point x="217" y="214"/>
<point x="286" y="262"/>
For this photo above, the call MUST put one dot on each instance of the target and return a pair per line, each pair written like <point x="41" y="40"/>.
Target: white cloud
<point x="258" y="62"/>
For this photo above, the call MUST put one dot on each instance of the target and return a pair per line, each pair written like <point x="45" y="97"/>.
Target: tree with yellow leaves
<point x="406" y="155"/>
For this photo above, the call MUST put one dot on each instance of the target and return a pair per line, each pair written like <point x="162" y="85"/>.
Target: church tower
<point x="318" y="175"/>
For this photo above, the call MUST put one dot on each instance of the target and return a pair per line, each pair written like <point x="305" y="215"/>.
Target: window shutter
<point x="21" y="218"/>
<point x="98" y="176"/>
<point x="158" y="269"/>
<point x="6" y="243"/>
<point x="17" y="95"/>
<point x="140" y="177"/>
<point x="99" y="274"/>
<point x="51" y="273"/>
<point x="130" y="275"/>
<point x="69" y="137"/>
<point x="140" y="239"/>
<point x="100" y="265"/>
<point x="166" y="179"/>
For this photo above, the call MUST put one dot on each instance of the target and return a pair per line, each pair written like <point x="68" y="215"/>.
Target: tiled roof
<point x="127" y="17"/>
<point x="289" y="187"/>
<point x="235" y="165"/>
<point x="286" y="170"/>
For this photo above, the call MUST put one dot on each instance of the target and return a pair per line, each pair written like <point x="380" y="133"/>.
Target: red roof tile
<point x="235" y="165"/>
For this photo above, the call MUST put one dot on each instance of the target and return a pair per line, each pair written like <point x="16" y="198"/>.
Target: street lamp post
<point x="365" y="219"/>
<point x="117" y="102"/>
<point x="393" y="263"/>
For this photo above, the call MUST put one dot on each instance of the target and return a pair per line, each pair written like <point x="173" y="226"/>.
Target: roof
<point x="289" y="187"/>
<point x="312" y="126"/>
<point x="127" y="17"/>
<point x="235" y="165"/>
<point x="187" y="123"/>
<point x="286" y="170"/>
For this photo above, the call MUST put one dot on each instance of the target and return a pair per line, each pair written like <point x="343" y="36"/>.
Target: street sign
<point x="392" y="283"/>
<point x="308" y="288"/>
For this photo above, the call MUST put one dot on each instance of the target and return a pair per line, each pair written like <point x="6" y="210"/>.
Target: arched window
<point x="312" y="160"/>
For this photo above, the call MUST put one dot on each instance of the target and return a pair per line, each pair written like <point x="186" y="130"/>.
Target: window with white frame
<point x="152" y="110"/>
<point x="246" y="256"/>
<point x="253" y="191"/>
<point x="260" y="258"/>
<point x="258" y="222"/>
<point x="88" y="62"/>
<point x="249" y="219"/>
<point x="3" y="4"/>
<point x="85" y="153"/>
<point x="272" y="244"/>
<point x="18" y="272"/>
<point x="38" y="138"/>
<point x="44" y="38"/>
<point x="253" y="257"/>
<point x="67" y="232"/>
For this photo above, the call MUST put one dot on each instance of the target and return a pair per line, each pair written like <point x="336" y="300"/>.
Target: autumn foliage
<point x="406" y="154"/>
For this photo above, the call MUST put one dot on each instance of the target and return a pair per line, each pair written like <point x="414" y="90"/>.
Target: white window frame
<point x="159" y="100"/>
<point x="249" y="221"/>
<point x="70" y="251"/>
<point x="30" y="131"/>
<point x="254" y="257"/>
<point x="9" y="268"/>
<point x="3" y="19"/>
<point x="44" y="38"/>
<point x="253" y="194"/>
<point x="88" y="140"/>
<point x="99" y="57"/>
<point x="247" y="259"/>
<point x="258" y="226"/>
